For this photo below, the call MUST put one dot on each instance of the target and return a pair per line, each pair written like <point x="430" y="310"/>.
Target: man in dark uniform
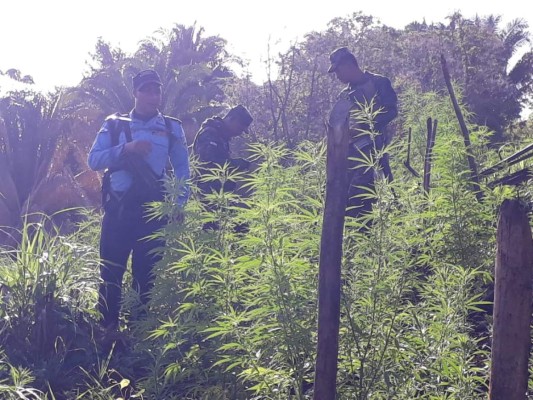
<point x="374" y="105"/>
<point x="212" y="147"/>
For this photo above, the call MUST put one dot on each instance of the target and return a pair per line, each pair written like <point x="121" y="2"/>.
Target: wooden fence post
<point x="464" y="130"/>
<point x="428" y="159"/>
<point x="512" y="304"/>
<point x="329" y="275"/>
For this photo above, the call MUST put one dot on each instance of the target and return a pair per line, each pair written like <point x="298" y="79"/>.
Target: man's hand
<point x="139" y="147"/>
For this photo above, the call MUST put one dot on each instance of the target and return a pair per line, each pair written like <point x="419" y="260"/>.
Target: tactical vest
<point x="121" y="123"/>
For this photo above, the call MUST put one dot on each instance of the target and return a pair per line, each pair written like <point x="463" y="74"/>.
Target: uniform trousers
<point x="123" y="233"/>
<point x="361" y="178"/>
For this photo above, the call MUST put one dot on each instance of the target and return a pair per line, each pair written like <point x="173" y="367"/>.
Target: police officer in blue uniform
<point x="372" y="94"/>
<point x="134" y="150"/>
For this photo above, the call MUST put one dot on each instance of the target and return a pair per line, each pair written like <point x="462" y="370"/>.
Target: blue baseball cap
<point x="144" y="77"/>
<point x="338" y="56"/>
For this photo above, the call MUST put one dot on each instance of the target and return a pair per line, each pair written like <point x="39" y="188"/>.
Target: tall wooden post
<point x="464" y="130"/>
<point x="329" y="276"/>
<point x="512" y="304"/>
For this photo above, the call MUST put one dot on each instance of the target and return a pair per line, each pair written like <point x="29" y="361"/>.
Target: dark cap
<point x="144" y="77"/>
<point x="338" y="56"/>
<point x="242" y="114"/>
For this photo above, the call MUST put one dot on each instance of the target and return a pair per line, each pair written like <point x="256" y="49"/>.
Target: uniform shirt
<point x="377" y="89"/>
<point x="211" y="145"/>
<point x="103" y="155"/>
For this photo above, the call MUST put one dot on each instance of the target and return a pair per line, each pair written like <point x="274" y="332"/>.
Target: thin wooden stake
<point x="407" y="162"/>
<point x="466" y="135"/>
<point x="432" y="132"/>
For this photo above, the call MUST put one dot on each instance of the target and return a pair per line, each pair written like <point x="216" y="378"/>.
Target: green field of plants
<point x="234" y="315"/>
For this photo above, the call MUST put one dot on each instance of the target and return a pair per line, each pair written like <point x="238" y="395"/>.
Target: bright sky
<point x="51" y="39"/>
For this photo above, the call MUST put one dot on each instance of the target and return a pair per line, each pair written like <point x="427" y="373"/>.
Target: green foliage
<point x="237" y="310"/>
<point x="245" y="302"/>
<point x="14" y="382"/>
<point x="408" y="328"/>
<point x="39" y="163"/>
<point x="48" y="291"/>
<point x="233" y="310"/>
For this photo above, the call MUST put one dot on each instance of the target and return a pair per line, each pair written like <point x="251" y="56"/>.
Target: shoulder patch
<point x="172" y="119"/>
<point x="118" y="117"/>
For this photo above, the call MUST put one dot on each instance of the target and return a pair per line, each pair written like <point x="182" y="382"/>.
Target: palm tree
<point x="193" y="69"/>
<point x="516" y="37"/>
<point x="106" y="88"/>
<point x="33" y="148"/>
